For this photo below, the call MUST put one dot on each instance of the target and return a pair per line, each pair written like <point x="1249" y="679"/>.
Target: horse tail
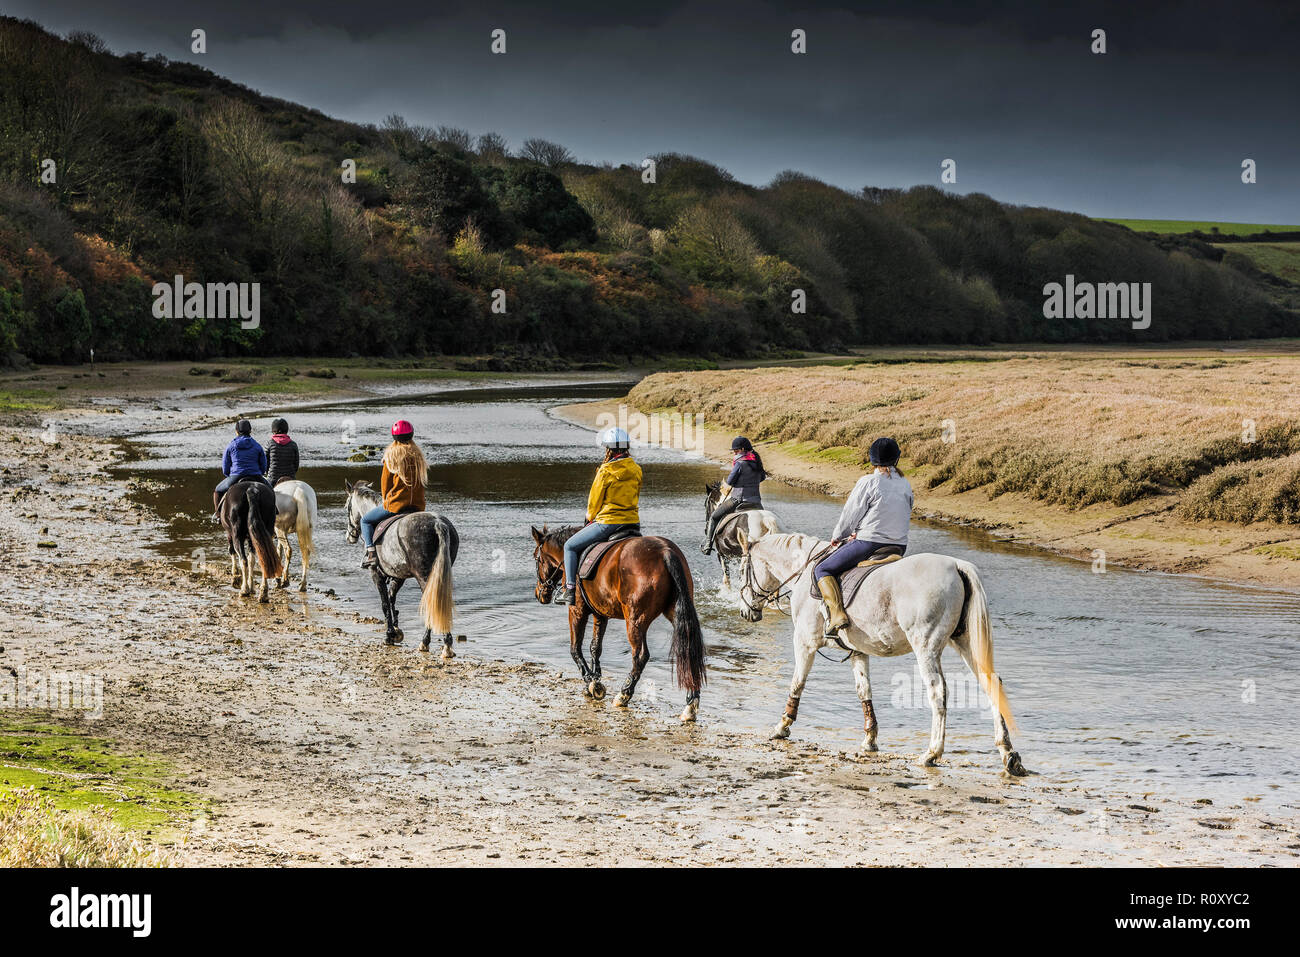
<point x="979" y="634"/>
<point x="261" y="532"/>
<point x="688" y="638"/>
<point x="436" y="601"/>
<point x="306" y="519"/>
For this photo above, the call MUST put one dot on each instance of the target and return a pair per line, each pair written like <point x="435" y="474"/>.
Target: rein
<point x="772" y="597"/>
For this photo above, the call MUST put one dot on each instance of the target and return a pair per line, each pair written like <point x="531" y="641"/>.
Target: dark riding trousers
<point x="846" y="556"/>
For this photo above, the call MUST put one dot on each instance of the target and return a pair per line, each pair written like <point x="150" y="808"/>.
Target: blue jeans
<point x="577" y="544"/>
<point x="224" y="485"/>
<point x="845" y="557"/>
<point x="370" y="520"/>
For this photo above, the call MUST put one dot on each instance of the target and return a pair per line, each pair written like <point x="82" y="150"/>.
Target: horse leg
<point x="285" y="550"/>
<point x="598" y="624"/>
<point x="577" y="626"/>
<point x="387" y="601"/>
<point x="726" y="571"/>
<point x="246" y="571"/>
<point x="937" y="688"/>
<point x="234" y="568"/>
<point x="805" y="650"/>
<point x="636" y="637"/>
<point x="862" y="681"/>
<point x="1001" y="734"/>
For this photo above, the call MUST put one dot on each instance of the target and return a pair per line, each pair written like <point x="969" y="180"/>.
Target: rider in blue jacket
<point x="244" y="460"/>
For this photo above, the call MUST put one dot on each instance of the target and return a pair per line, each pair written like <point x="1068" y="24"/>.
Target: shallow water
<point x="1155" y="682"/>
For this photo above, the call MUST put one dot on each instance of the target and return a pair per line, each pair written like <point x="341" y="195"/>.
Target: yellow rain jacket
<point x="615" y="493"/>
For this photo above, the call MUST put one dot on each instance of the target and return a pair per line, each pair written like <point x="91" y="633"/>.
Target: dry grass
<point x="1070" y="431"/>
<point x="35" y="833"/>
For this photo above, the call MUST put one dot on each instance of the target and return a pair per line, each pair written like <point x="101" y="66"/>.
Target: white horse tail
<point x="305" y="500"/>
<point x="979" y="633"/>
<point x="436" y="601"/>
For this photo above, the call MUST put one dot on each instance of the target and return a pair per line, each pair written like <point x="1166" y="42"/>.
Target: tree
<point x="537" y="200"/>
<point x="546" y="152"/>
<point x="454" y="136"/>
<point x="492" y="145"/>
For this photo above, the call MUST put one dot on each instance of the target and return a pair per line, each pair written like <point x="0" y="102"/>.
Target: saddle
<point x="733" y="515"/>
<point x="590" y="559"/>
<point x="383" y="526"/>
<point x="851" y="580"/>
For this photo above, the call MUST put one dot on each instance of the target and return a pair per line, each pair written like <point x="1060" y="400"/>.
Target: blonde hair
<point x="406" y="461"/>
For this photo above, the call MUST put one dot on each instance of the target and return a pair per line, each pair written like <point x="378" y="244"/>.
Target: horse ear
<point x="537" y="536"/>
<point x="347" y="486"/>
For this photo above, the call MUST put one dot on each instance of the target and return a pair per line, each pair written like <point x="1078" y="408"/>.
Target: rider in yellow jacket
<point x="612" y="506"/>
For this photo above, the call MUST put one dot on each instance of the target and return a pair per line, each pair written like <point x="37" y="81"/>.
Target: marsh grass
<point x="1068" y="431"/>
<point x="36" y="833"/>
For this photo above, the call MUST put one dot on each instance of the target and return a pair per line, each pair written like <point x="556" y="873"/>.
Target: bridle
<point x="771" y="597"/>
<point x="550" y="581"/>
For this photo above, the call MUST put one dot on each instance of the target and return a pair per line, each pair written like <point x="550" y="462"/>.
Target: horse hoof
<point x="447" y="653"/>
<point x="264" y="598"/>
<point x="424" y="645"/>
<point x="780" y="733"/>
<point x="688" y="715"/>
<point x="302" y="586"/>
<point x="596" y="690"/>
<point x="927" y="761"/>
<point x="622" y="701"/>
<point x="1012" y="763"/>
<point x="868" y="747"/>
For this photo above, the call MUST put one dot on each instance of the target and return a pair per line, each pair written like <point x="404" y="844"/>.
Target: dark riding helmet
<point x="740" y="443"/>
<point x="279" y="427"/>
<point x="243" y="427"/>
<point x="885" y="451"/>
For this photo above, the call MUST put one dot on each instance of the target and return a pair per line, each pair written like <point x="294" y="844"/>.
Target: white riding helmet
<point x="615" y="438"/>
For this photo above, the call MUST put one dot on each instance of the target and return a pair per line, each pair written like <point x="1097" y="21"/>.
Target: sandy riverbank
<point x="1148" y="533"/>
<point x="310" y="742"/>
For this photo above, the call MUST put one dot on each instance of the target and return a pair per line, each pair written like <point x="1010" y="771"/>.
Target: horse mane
<point x="788" y="540"/>
<point x="558" y="536"/>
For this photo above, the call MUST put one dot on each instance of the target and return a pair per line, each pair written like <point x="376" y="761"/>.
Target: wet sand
<point x="317" y="744"/>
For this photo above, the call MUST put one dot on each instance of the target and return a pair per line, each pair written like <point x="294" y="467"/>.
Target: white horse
<point x="921" y="603"/>
<point x="295" y="513"/>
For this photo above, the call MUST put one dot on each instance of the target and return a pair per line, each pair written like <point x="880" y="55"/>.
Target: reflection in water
<point x="1152" y="680"/>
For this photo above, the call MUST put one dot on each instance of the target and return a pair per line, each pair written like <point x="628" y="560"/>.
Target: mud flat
<point x="308" y="742"/>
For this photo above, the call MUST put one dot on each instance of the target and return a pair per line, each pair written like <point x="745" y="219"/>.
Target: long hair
<point x="758" y="460"/>
<point x="406" y="461"/>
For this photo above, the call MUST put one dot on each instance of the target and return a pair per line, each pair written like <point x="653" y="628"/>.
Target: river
<point x="1156" y="682"/>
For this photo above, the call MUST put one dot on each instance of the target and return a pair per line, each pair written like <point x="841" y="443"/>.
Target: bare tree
<point x="249" y="165"/>
<point x="454" y="136"/>
<point x="492" y="144"/>
<point x="546" y="152"/>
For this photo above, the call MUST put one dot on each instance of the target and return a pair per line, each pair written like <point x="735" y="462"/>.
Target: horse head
<point x="361" y="498"/>
<point x="753" y="591"/>
<point x="712" y="497"/>
<point x="548" y="553"/>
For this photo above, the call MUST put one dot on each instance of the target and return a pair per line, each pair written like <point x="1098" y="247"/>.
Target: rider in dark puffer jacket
<point x="281" y="454"/>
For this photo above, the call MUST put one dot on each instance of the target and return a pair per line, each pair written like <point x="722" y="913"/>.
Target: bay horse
<point x="756" y="522"/>
<point x="419" y="545"/>
<point x="921" y="603"/>
<point x="638" y="580"/>
<point x="295" y="514"/>
<point x="248" y="516"/>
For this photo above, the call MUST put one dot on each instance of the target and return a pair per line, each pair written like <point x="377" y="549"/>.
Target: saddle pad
<point x="592" y="556"/>
<point x="852" y="579"/>
<point x="383" y="526"/>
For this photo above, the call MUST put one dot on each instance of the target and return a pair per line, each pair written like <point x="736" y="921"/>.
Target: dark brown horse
<point x="248" y="516"/>
<point x="637" y="580"/>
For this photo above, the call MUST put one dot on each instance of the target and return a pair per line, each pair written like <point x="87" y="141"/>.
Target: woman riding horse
<point x="244" y="460"/>
<point x="741" y="486"/>
<point x="878" y="513"/>
<point x="611" y="506"/>
<point x="402" y="478"/>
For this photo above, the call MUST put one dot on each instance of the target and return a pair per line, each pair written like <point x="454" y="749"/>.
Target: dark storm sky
<point x="1156" y="128"/>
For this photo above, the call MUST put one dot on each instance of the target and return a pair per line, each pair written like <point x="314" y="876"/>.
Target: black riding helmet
<point x="244" y="427"/>
<point x="740" y="443"/>
<point x="885" y="451"/>
<point x="279" y="427"/>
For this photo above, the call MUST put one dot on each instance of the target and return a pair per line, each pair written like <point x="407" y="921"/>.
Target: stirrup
<point x="371" y="559"/>
<point x="567" y="596"/>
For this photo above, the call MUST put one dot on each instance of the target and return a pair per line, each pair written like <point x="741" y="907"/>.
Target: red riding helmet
<point x="401" y="427"/>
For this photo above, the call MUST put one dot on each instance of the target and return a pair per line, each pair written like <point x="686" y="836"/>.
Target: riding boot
<point x="836" y="618"/>
<point x="371" y="561"/>
<point x="567" y="596"/>
<point x="706" y="546"/>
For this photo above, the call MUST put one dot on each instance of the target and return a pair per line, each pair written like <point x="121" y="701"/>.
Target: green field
<point x="1193" y="226"/>
<point x="1280" y="259"/>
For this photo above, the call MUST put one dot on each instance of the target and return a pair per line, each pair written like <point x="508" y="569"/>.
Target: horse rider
<point x="611" y="506"/>
<point x="878" y="513"/>
<point x="402" y="478"/>
<point x="281" y="454"/>
<point x="741" y="486"/>
<point x="244" y="460"/>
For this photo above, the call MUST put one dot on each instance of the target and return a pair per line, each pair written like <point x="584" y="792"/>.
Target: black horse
<point x="420" y="545"/>
<point x="726" y="541"/>
<point x="248" y="516"/>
